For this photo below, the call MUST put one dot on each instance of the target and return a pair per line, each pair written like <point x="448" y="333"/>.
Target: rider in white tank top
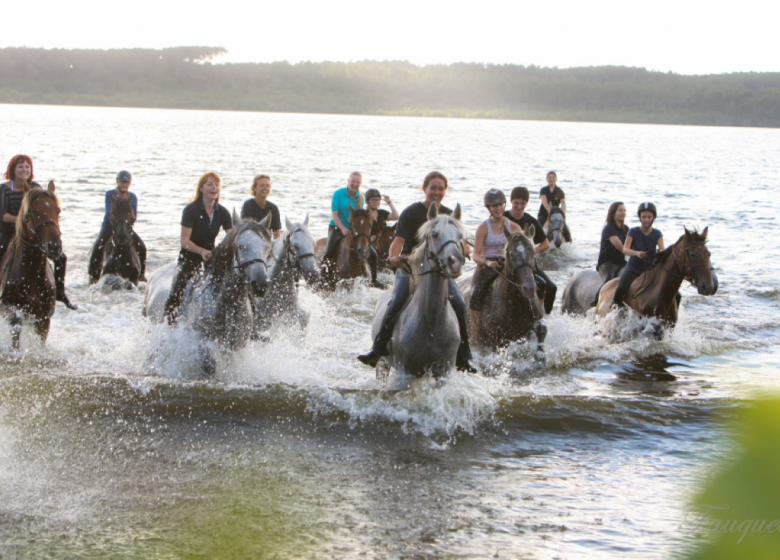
<point x="494" y="243"/>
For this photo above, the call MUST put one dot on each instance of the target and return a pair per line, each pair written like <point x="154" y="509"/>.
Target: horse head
<point x="557" y="222"/>
<point x="250" y="249"/>
<point x="299" y="247"/>
<point x="384" y="240"/>
<point x="39" y="225"/>
<point x="440" y="243"/>
<point x="520" y="263"/>
<point x="695" y="258"/>
<point x="359" y="235"/>
<point x="122" y="219"/>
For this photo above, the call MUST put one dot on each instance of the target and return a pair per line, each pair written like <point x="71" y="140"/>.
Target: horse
<point x="293" y="257"/>
<point x="581" y="292"/>
<point x="426" y="334"/>
<point x="218" y="303"/>
<point x="120" y="257"/>
<point x="352" y="251"/>
<point x="27" y="288"/>
<point x="654" y="292"/>
<point x="382" y="245"/>
<point x="512" y="309"/>
<point x="557" y="230"/>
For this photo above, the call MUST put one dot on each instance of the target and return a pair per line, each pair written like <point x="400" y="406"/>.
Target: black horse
<point x="120" y="257"/>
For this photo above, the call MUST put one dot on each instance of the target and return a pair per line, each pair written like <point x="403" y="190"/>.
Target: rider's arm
<point x="479" y="244"/>
<point x="545" y="204"/>
<point x="7" y="218"/>
<point x="393" y="212"/>
<point x="335" y="216"/>
<point x="542" y="247"/>
<point x="134" y="204"/>
<point x="615" y="240"/>
<point x="188" y="245"/>
<point x="395" y="251"/>
<point x="660" y="244"/>
<point x="563" y="205"/>
<point x="627" y="250"/>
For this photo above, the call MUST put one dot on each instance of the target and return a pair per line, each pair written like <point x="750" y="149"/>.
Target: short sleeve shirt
<point x="527" y="219"/>
<point x="642" y="242"/>
<point x="341" y="203"/>
<point x="252" y="210"/>
<point x="410" y="221"/>
<point x="554" y="198"/>
<point x="381" y="218"/>
<point x="111" y="196"/>
<point x="204" y="229"/>
<point x="608" y="252"/>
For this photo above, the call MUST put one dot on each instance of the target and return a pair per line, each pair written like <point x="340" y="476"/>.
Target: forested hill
<point x="185" y="78"/>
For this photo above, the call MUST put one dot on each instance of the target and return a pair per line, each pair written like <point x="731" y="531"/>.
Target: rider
<point x="379" y="218"/>
<point x="551" y="195"/>
<point x="200" y="223"/>
<point x="122" y="191"/>
<point x="640" y="245"/>
<point x="613" y="236"/>
<point x="411" y="219"/>
<point x="258" y="207"/>
<point x="20" y="169"/>
<point x="546" y="289"/>
<point x="489" y="246"/>
<point x="343" y="199"/>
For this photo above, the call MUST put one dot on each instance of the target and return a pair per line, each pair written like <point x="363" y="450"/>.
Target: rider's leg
<point x="373" y="265"/>
<point x="334" y="236"/>
<point x="185" y="270"/>
<point x="464" y="350"/>
<point x="95" y="268"/>
<point x="483" y="278"/>
<point x="60" y="265"/>
<point x="140" y="248"/>
<point x="394" y="307"/>
<point x="609" y="270"/>
<point x="550" y="290"/>
<point x="626" y="279"/>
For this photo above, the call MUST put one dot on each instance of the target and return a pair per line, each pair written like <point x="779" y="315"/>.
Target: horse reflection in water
<point x="426" y="335"/>
<point x="218" y="304"/>
<point x="293" y="258"/>
<point x="27" y="289"/>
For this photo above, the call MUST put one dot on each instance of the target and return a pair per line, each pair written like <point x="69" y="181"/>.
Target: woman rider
<point x="340" y="223"/>
<point x="489" y="247"/>
<point x="200" y="223"/>
<point x="553" y="196"/>
<point x="411" y="219"/>
<point x="379" y="218"/>
<point x="258" y="207"/>
<point x="546" y="288"/>
<point x="613" y="236"/>
<point x="640" y="245"/>
<point x="122" y="191"/>
<point x="20" y="169"/>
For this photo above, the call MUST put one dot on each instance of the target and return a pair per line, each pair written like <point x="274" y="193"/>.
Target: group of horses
<point x="252" y="281"/>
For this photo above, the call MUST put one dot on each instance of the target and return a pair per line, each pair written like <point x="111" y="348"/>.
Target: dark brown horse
<point x="382" y="244"/>
<point x="654" y="292"/>
<point x="120" y="257"/>
<point x="352" y="251"/>
<point x="26" y="279"/>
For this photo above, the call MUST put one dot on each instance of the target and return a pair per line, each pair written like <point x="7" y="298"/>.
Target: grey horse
<point x="426" y="334"/>
<point x="557" y="230"/>
<point x="293" y="258"/>
<point x="217" y="304"/>
<point x="581" y="292"/>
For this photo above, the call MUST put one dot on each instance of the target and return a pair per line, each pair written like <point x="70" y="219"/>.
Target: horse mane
<point x="123" y="204"/>
<point x="417" y="258"/>
<point x="222" y="258"/>
<point x="663" y="255"/>
<point x="556" y="210"/>
<point x="32" y="195"/>
<point x="361" y="213"/>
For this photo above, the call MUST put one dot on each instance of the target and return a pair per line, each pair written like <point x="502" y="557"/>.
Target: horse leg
<point x="540" y="330"/>
<point x="208" y="363"/>
<point x="15" y="322"/>
<point x="42" y="328"/>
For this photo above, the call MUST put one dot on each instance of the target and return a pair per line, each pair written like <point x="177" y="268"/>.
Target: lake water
<point x="295" y="449"/>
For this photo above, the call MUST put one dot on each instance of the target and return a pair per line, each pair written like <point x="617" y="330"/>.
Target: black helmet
<point x="124" y="176"/>
<point x="372" y="193"/>
<point x="647" y="207"/>
<point x="494" y="196"/>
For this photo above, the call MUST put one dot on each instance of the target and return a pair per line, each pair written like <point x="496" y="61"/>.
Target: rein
<point x="34" y="229"/>
<point x="292" y="257"/>
<point x="681" y="264"/>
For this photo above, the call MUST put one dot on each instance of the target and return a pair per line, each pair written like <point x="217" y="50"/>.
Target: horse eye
<point x="436" y="234"/>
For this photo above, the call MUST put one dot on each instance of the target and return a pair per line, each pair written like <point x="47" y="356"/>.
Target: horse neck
<point x="668" y="283"/>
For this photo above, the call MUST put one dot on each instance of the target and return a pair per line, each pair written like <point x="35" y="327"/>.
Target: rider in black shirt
<point x="258" y="207"/>
<point x="613" y="236"/>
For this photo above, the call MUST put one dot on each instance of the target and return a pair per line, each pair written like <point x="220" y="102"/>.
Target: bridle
<point x="517" y="267"/>
<point x="259" y="260"/>
<point x="292" y="257"/>
<point x="681" y="267"/>
<point x="38" y="244"/>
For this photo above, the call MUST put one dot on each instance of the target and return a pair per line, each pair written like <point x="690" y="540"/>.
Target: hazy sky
<point x="685" y="36"/>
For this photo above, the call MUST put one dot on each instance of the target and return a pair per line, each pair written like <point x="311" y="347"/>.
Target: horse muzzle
<point x="259" y="287"/>
<point x="52" y="249"/>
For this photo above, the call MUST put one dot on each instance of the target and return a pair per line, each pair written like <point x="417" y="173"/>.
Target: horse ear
<point x="351" y="210"/>
<point x="306" y="220"/>
<point x="288" y="224"/>
<point x="457" y="213"/>
<point x="265" y="221"/>
<point x="51" y="188"/>
<point x="687" y="233"/>
<point x="529" y="231"/>
<point x="507" y="232"/>
<point x="704" y="232"/>
<point x="433" y="211"/>
<point x="236" y="219"/>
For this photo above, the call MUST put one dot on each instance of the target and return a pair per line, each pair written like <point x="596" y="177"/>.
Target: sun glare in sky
<point x="689" y="37"/>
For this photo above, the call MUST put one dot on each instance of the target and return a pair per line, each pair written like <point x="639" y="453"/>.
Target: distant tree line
<point x="185" y="78"/>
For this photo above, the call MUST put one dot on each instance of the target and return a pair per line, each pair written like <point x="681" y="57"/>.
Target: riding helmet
<point x="124" y="176"/>
<point x="372" y="193"/>
<point x="647" y="207"/>
<point x="494" y="196"/>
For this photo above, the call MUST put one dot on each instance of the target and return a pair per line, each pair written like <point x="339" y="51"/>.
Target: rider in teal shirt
<point x="340" y="223"/>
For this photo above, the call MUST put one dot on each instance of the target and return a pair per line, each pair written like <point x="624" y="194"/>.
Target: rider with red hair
<point x="20" y="171"/>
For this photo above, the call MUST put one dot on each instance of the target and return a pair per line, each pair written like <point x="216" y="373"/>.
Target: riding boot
<point x="626" y="279"/>
<point x="334" y="237"/>
<point x="59" y="281"/>
<point x="185" y="270"/>
<point x="549" y="293"/>
<point x="463" y="357"/>
<point x="373" y="265"/>
<point x="97" y="255"/>
<point x="385" y="334"/>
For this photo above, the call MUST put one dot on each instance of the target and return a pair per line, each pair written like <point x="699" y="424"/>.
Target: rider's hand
<point x="344" y="231"/>
<point x="642" y="255"/>
<point x="206" y="254"/>
<point x="493" y="264"/>
<point x="397" y="261"/>
<point x="386" y="198"/>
